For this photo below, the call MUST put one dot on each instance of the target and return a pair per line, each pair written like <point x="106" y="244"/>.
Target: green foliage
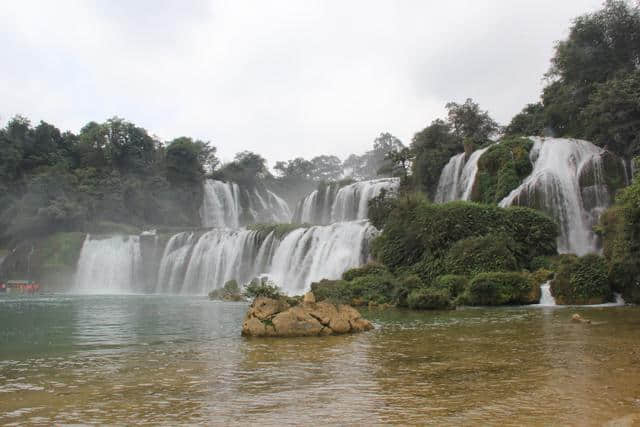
<point x="582" y="280"/>
<point x="405" y="285"/>
<point x="375" y="162"/>
<point x="418" y="234"/>
<point x="429" y="299"/>
<point x="612" y="117"/>
<point x="262" y="288"/>
<point x="470" y="123"/>
<point x="501" y="169"/>
<point x="365" y="270"/>
<point x="433" y="147"/>
<point x="60" y="250"/>
<point x="229" y="292"/>
<point x="529" y="122"/>
<point x="491" y="252"/>
<point x="500" y="289"/>
<point x="379" y="208"/>
<point x="110" y="172"/>
<point x="593" y="82"/>
<point x="620" y="226"/>
<point x="453" y="283"/>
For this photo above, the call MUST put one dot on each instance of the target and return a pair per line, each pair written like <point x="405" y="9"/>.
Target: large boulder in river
<point x="268" y="317"/>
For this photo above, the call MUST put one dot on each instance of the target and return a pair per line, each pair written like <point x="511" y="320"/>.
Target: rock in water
<point x="268" y="317"/>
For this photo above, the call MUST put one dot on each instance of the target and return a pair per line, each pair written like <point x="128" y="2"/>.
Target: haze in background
<point x="282" y="78"/>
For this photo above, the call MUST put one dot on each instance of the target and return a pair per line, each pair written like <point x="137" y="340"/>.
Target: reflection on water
<point x="159" y="359"/>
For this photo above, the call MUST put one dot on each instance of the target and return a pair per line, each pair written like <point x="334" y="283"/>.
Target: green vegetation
<point x="501" y="169"/>
<point x="594" y="83"/>
<point x="262" y="288"/>
<point x="501" y="288"/>
<point x="620" y="226"/>
<point x="429" y="299"/>
<point x="229" y="292"/>
<point x="467" y="127"/>
<point x="582" y="280"/>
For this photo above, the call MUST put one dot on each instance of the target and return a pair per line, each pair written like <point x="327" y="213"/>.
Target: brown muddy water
<point x="171" y="360"/>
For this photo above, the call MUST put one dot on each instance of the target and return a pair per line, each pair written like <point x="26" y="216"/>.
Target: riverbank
<point x="161" y="359"/>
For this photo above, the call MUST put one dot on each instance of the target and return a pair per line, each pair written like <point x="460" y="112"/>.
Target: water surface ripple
<point x="168" y="360"/>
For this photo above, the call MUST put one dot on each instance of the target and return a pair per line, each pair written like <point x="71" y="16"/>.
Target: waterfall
<point x="226" y="205"/>
<point x="458" y="177"/>
<point x="109" y="265"/>
<point x="197" y="265"/>
<point x="554" y="186"/>
<point x="335" y="204"/>
<point x="546" y="299"/>
<point x="220" y="204"/>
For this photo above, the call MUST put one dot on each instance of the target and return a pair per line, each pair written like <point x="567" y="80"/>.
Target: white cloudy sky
<point x="282" y="78"/>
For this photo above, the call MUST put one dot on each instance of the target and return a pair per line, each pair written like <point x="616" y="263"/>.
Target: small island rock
<point x="268" y="317"/>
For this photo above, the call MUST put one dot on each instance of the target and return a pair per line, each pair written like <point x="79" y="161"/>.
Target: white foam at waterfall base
<point x="197" y="266"/>
<point x="553" y="186"/>
<point x="110" y="265"/>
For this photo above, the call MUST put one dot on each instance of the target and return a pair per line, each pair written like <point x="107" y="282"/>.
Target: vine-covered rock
<point x="582" y="280"/>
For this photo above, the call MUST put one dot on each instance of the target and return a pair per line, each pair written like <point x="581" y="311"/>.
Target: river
<point x="167" y="360"/>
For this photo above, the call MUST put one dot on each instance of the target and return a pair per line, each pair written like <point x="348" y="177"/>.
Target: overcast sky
<point x="282" y="78"/>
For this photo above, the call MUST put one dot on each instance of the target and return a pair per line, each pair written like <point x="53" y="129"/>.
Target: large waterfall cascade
<point x="195" y="262"/>
<point x="111" y="265"/>
<point x="348" y="203"/>
<point x="554" y="187"/>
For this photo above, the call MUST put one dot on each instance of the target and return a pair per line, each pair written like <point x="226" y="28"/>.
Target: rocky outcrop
<point x="269" y="317"/>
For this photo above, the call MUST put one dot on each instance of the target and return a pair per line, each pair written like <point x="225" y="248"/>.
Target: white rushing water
<point x="226" y="205"/>
<point x="458" y="177"/>
<point x="195" y="263"/>
<point x="109" y="265"/>
<point x="554" y="187"/>
<point x="546" y="299"/>
<point x="335" y="204"/>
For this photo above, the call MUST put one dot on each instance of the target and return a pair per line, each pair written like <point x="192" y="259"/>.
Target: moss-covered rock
<point x="582" y="280"/>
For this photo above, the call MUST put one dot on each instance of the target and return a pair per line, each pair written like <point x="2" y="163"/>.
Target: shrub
<point x="620" y="227"/>
<point x="429" y="299"/>
<point x="500" y="288"/>
<point x="582" y="281"/>
<point x="406" y="284"/>
<point x="492" y="252"/>
<point x="379" y="288"/>
<point x="261" y="288"/>
<point x="418" y="232"/>
<point x="229" y="292"/>
<point x="365" y="270"/>
<point x="454" y="284"/>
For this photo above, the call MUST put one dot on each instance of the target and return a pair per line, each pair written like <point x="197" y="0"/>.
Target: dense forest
<point x="116" y="177"/>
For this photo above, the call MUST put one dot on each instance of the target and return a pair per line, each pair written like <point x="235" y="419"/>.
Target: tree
<point x="298" y="168"/>
<point x="470" y="122"/>
<point x="326" y="168"/>
<point x="529" y="122"/>
<point x="433" y="147"/>
<point x="186" y="159"/>
<point x="401" y="161"/>
<point x="612" y="117"/>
